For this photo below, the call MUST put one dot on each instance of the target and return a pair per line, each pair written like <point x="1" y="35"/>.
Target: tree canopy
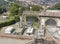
<point x="36" y="8"/>
<point x="55" y="7"/>
<point x="2" y="9"/>
<point x="15" y="9"/>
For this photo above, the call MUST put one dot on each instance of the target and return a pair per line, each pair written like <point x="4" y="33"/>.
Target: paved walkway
<point x="12" y="41"/>
<point x="50" y="35"/>
<point x="47" y="36"/>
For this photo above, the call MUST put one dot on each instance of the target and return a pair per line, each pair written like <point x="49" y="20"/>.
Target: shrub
<point x="33" y="17"/>
<point x="36" y="8"/>
<point x="10" y="21"/>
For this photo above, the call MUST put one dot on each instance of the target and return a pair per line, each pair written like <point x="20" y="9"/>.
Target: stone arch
<point x="51" y="22"/>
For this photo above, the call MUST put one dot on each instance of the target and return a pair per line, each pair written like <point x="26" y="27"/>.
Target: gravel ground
<point x="12" y="41"/>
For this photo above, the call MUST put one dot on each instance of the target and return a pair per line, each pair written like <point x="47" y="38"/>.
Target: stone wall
<point x="44" y="19"/>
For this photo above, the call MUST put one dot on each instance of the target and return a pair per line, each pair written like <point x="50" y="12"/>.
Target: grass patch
<point x="36" y="25"/>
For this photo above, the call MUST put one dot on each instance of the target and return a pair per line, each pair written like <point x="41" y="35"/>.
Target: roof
<point x="19" y="30"/>
<point x="41" y="32"/>
<point x="9" y="28"/>
<point x="53" y="13"/>
<point x="29" y="30"/>
<point x="31" y="12"/>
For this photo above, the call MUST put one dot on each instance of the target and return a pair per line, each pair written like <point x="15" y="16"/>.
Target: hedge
<point x="10" y="21"/>
<point x="33" y="17"/>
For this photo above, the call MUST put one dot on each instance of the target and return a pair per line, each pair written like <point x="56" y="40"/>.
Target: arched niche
<point x="50" y="22"/>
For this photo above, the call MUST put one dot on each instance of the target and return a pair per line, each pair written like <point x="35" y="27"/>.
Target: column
<point x="23" y="21"/>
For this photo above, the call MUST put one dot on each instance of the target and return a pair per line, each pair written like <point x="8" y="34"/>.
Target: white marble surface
<point x="12" y="41"/>
<point x="54" y="32"/>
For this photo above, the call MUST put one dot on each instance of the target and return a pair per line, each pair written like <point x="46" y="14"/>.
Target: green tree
<point x="21" y="9"/>
<point x="36" y="8"/>
<point x="14" y="8"/>
<point x="55" y="7"/>
<point x="2" y="9"/>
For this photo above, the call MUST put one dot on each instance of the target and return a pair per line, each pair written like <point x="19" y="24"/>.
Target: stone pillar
<point x="58" y="22"/>
<point x="20" y="24"/>
<point x="42" y="21"/>
<point x="23" y="21"/>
